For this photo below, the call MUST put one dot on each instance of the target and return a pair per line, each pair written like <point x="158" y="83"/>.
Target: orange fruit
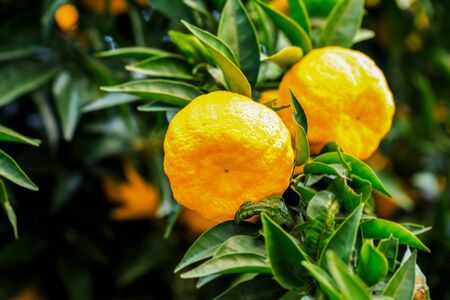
<point x="113" y="7"/>
<point x="138" y="198"/>
<point x="195" y="222"/>
<point x="345" y="97"/>
<point x="66" y="17"/>
<point x="223" y="149"/>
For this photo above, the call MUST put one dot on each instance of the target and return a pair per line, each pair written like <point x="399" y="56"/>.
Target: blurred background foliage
<point x="86" y="235"/>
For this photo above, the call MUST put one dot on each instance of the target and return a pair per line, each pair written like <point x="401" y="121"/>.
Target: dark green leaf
<point x="242" y="244"/>
<point x="138" y="53"/>
<point x="350" y="285"/>
<point x="165" y="91"/>
<point x="190" y="47"/>
<point x="298" y="112"/>
<point x="343" y="240"/>
<point x="326" y="283"/>
<point x="237" y="31"/>
<point x="4" y="201"/>
<point x="402" y="283"/>
<point x="321" y="211"/>
<point x="358" y="167"/>
<point x="175" y="10"/>
<point x="7" y="134"/>
<point x="208" y="243"/>
<point x="163" y="66"/>
<point x="231" y="263"/>
<point x="350" y="199"/>
<point x="389" y="247"/>
<point x="382" y="229"/>
<point x="109" y="100"/>
<point x="10" y="170"/>
<point x="69" y="94"/>
<point x="301" y="129"/>
<point x="315" y="167"/>
<point x="19" y="79"/>
<point x="273" y="206"/>
<point x="256" y="289"/>
<point x="300" y="14"/>
<point x="342" y="24"/>
<point x="372" y="264"/>
<point x="155" y="106"/>
<point x="305" y="192"/>
<point x="295" y="33"/>
<point x="225" y="59"/>
<point x="15" y="52"/>
<point x="285" y="255"/>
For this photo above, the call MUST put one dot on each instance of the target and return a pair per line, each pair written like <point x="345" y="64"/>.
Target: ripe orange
<point x="223" y="149"/>
<point x="138" y="198"/>
<point x="66" y="17"/>
<point x="345" y="97"/>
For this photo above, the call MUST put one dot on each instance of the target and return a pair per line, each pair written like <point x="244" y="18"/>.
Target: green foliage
<point x="67" y="238"/>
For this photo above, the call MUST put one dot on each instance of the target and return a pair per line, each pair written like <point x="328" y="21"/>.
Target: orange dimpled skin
<point x="345" y="97"/>
<point x="223" y="149"/>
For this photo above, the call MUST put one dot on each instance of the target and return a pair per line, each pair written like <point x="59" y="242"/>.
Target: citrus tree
<point x="290" y="164"/>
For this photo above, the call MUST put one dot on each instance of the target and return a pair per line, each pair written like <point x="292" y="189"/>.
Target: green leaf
<point x="69" y="93"/>
<point x="163" y="66"/>
<point x="242" y="244"/>
<point x="399" y="195"/>
<point x="109" y="100"/>
<point x="372" y="264"/>
<point x="350" y="285"/>
<point x="323" y="203"/>
<point x="382" y="229"/>
<point x="225" y="59"/>
<point x="8" y="208"/>
<point x="343" y="240"/>
<point x="19" y="51"/>
<point x="155" y="106"/>
<point x="363" y="35"/>
<point x="229" y="264"/>
<point x="295" y="33"/>
<point x="342" y="24"/>
<point x="190" y="47"/>
<point x="321" y="211"/>
<point x="285" y="255"/>
<point x="389" y="247"/>
<point x="358" y="167"/>
<point x="298" y="112"/>
<point x="314" y="167"/>
<point x="416" y="228"/>
<point x="208" y="243"/>
<point x="301" y="128"/>
<point x="42" y="102"/>
<point x="350" y="199"/>
<point x="300" y="14"/>
<point x="237" y="31"/>
<point x="326" y="283"/>
<point x="286" y="57"/>
<point x="273" y="206"/>
<point x="10" y="170"/>
<point x="305" y="192"/>
<point x="175" y="10"/>
<point x="138" y="53"/>
<point x="165" y="91"/>
<point x="22" y="78"/>
<point x="7" y="134"/>
<point x="402" y="283"/>
<point x="256" y="289"/>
